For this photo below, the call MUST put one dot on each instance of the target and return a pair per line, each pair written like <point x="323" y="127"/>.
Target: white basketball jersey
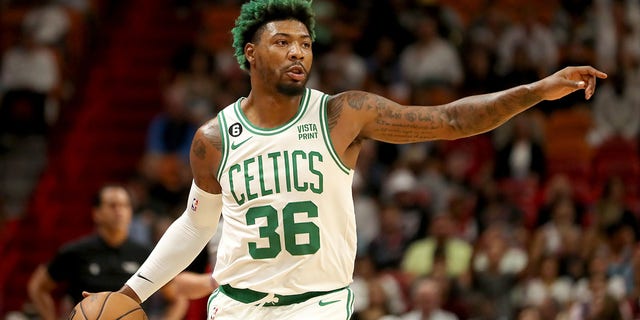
<point x="289" y="224"/>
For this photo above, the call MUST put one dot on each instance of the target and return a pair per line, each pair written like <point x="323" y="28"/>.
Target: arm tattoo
<point x="199" y="149"/>
<point x="212" y="132"/>
<point x="334" y="109"/>
<point x="482" y="113"/>
<point x="356" y="100"/>
<point x="402" y="124"/>
<point x="211" y="136"/>
<point x="395" y="123"/>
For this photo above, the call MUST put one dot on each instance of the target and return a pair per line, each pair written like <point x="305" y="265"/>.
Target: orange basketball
<point x="107" y="306"/>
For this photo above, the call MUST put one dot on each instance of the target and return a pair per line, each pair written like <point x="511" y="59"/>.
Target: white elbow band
<point x="180" y="244"/>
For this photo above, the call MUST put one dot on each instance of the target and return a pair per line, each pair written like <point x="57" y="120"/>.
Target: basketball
<point x="107" y="306"/>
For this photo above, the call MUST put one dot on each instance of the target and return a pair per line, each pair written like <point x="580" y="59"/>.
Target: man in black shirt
<point x="99" y="262"/>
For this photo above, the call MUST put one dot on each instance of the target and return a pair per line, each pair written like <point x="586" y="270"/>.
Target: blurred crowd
<point x="538" y="219"/>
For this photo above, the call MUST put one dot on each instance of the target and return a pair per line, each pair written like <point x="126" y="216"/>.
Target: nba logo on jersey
<point x="194" y="204"/>
<point x="214" y="311"/>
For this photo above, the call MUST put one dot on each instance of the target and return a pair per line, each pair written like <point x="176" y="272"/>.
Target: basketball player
<point x="98" y="262"/>
<point x="278" y="165"/>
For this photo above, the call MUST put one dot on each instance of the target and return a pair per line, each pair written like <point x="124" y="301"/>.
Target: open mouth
<point x="296" y="73"/>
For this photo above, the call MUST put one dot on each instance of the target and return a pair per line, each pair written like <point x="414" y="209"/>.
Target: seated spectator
<point x="49" y="23"/>
<point x="522" y="157"/>
<point x="546" y="289"/>
<point x="596" y="276"/>
<point x="378" y="303"/>
<point x="348" y="70"/>
<point x="623" y="119"/>
<point x="561" y="236"/>
<point x="531" y="40"/>
<point x="28" y="79"/>
<point x="388" y="247"/>
<point x="196" y="76"/>
<point x="431" y="59"/>
<point x="427" y="301"/>
<point x="440" y="247"/>
<point x="610" y="210"/>
<point x="171" y="131"/>
<point x="401" y="188"/>
<point x="370" y="285"/>
<point x="599" y="304"/>
<point x="497" y="267"/>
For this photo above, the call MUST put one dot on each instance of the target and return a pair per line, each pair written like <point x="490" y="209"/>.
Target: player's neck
<point x="269" y="109"/>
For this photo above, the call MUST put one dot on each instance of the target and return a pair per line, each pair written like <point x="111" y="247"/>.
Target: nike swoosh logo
<point x="323" y="303"/>
<point x="235" y="145"/>
<point x="143" y="277"/>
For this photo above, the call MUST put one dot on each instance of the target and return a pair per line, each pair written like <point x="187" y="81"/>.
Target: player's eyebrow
<point x="289" y="35"/>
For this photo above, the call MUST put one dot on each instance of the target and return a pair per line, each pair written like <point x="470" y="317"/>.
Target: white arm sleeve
<point x="180" y="244"/>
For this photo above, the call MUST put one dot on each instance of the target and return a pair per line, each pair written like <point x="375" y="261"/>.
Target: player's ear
<point x="249" y="52"/>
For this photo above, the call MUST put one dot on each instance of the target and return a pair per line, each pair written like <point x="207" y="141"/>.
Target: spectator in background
<point x="28" y="80"/>
<point x="610" y="210"/>
<point x="597" y="299"/>
<point x="461" y="210"/>
<point x="522" y="157"/>
<point x="366" y="204"/>
<point x="99" y="262"/>
<point x="529" y="313"/>
<point x="497" y="268"/>
<point x="377" y="307"/>
<point x="561" y="236"/>
<point x="440" y="247"/>
<point x="494" y="208"/>
<point x="430" y="62"/>
<point x="427" y="301"/>
<point x="366" y="209"/>
<point x="49" y="23"/>
<point x="557" y="186"/>
<point x="171" y="131"/>
<point x="595" y="280"/>
<point x="528" y="40"/>
<point x="165" y="165"/>
<point x="616" y="111"/>
<point x="545" y="289"/>
<point x="401" y="187"/>
<point x="346" y="69"/>
<point x="377" y="292"/>
<point x="479" y="68"/>
<point x="383" y="71"/>
<point x="196" y="76"/>
<point x="619" y="254"/>
<point x="388" y="247"/>
<point x="487" y="26"/>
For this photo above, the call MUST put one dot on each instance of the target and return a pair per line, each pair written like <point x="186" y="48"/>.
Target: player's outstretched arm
<point x="191" y="232"/>
<point x="374" y="117"/>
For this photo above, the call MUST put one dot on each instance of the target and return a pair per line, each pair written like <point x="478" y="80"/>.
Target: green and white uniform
<point x="289" y="227"/>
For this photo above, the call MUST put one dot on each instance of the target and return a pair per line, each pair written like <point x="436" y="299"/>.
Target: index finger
<point x="594" y="72"/>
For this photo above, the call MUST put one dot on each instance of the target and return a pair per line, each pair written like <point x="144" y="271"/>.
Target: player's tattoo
<point x="402" y="123"/>
<point x="211" y="131"/>
<point x="199" y="149"/>
<point x="334" y="109"/>
<point x="481" y="113"/>
<point x="356" y="100"/>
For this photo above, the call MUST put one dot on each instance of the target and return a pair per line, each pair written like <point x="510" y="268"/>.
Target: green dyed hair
<point x="257" y="13"/>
